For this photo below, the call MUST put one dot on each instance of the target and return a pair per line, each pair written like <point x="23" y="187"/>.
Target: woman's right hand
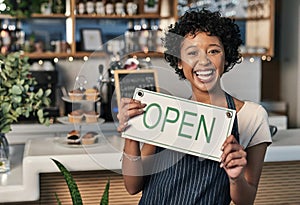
<point x="128" y="108"/>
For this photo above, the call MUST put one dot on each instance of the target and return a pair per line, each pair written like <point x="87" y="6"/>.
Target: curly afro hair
<point x="213" y="24"/>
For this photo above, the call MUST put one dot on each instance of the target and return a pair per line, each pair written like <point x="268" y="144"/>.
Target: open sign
<point x="180" y="124"/>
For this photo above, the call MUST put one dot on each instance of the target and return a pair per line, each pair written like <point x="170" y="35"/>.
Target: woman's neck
<point x="216" y="97"/>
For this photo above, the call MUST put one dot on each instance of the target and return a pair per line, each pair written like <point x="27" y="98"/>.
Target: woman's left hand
<point x="233" y="159"/>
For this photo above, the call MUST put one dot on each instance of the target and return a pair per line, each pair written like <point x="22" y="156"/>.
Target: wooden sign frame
<point x="140" y="73"/>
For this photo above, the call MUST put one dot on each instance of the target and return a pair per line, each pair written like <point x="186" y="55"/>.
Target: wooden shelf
<point x="251" y="18"/>
<point x="49" y="16"/>
<point x="47" y="55"/>
<point x="149" y="54"/>
<point x="139" y="16"/>
<point x="82" y="54"/>
<point x="64" y="55"/>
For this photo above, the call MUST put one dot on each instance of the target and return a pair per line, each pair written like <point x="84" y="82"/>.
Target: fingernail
<point x="221" y="158"/>
<point x="221" y="165"/>
<point x="222" y="148"/>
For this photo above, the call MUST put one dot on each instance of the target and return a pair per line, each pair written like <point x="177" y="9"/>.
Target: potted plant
<point x="17" y="96"/>
<point x="73" y="188"/>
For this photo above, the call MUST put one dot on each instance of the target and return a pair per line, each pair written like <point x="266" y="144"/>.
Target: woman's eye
<point x="192" y="53"/>
<point x="214" y="51"/>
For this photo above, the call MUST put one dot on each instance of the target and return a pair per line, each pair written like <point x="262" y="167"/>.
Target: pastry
<point x="76" y="95"/>
<point x="75" y="116"/>
<point x="91" y="117"/>
<point x="88" y="138"/>
<point x="73" y="137"/>
<point x="91" y="94"/>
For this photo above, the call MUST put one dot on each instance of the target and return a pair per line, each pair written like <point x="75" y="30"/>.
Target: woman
<point x="201" y="46"/>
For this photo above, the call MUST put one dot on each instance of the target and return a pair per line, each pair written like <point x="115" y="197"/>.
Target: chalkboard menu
<point x="127" y="80"/>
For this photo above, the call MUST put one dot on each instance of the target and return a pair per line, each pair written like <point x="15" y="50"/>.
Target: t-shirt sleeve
<point x="261" y="129"/>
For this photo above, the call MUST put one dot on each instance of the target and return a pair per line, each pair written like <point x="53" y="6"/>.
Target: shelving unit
<point x="71" y="19"/>
<point x="263" y="36"/>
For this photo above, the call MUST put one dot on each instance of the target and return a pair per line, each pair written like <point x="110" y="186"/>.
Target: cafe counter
<point x="33" y="147"/>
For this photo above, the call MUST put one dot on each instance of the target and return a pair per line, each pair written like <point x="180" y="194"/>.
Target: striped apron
<point x="182" y="179"/>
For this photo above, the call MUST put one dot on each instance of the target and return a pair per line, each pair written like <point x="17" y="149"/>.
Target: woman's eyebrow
<point x="191" y="46"/>
<point x="214" y="44"/>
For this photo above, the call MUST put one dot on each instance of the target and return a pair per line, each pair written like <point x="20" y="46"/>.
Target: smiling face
<point x="202" y="61"/>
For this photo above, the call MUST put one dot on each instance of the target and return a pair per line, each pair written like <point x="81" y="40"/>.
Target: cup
<point x="120" y="8"/>
<point x="90" y="7"/>
<point x="100" y="9"/>
<point x="131" y="8"/>
<point x="81" y="8"/>
<point x="109" y="9"/>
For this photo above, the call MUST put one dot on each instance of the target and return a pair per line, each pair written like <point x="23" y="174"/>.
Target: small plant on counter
<point x="73" y="188"/>
<point x="17" y="97"/>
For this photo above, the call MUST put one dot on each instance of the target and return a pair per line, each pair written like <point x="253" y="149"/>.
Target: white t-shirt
<point x="253" y="125"/>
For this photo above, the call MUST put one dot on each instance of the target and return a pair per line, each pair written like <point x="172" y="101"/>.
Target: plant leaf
<point x="75" y="194"/>
<point x="105" y="196"/>
<point x="57" y="199"/>
<point x="16" y="90"/>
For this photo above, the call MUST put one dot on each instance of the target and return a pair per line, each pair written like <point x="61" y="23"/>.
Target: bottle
<point x="20" y="36"/>
<point x="5" y="37"/>
<point x="129" y="37"/>
<point x="144" y="36"/>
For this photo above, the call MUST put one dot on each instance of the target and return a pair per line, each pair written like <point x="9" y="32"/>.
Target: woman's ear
<point x="179" y="65"/>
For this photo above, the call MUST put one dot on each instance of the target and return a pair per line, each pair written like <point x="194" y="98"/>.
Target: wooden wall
<point x="279" y="184"/>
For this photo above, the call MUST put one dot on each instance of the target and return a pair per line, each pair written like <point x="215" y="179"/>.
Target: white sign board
<point x="180" y="124"/>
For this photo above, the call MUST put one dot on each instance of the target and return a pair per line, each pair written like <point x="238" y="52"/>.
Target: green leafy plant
<point x="73" y="188"/>
<point x="21" y="8"/>
<point x="17" y="97"/>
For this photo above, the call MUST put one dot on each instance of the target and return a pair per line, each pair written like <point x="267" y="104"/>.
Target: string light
<point x="85" y="58"/>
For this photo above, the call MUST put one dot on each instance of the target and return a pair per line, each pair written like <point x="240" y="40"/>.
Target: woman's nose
<point x="203" y="59"/>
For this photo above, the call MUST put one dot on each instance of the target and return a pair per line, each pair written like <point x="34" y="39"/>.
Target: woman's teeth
<point x="205" y="75"/>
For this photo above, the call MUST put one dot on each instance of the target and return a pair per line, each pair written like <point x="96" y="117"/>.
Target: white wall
<point x="289" y="59"/>
<point x="243" y="81"/>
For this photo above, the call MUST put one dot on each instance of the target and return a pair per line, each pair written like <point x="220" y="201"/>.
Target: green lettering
<point x="169" y="120"/>
<point x="159" y="115"/>
<point x="208" y="136"/>
<point x="185" y="113"/>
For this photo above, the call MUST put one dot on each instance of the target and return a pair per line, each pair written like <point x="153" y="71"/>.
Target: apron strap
<point x="231" y="105"/>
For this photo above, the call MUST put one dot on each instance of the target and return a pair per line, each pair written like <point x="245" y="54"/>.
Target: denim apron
<point x="187" y="179"/>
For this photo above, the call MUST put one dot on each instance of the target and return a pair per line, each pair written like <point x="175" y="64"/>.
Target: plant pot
<point x="4" y="154"/>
